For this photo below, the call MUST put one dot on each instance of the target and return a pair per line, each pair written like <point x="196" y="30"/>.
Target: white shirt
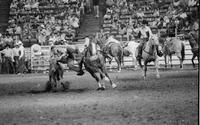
<point x="15" y="51"/>
<point x="143" y="31"/>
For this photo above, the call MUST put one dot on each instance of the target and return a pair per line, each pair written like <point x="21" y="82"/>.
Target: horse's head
<point x="154" y="39"/>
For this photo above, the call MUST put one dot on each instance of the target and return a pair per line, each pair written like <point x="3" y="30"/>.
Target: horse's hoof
<point x="114" y="86"/>
<point x="98" y="89"/>
<point x="106" y="79"/>
<point x="101" y="88"/>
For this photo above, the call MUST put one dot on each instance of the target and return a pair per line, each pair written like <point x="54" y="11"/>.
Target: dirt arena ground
<point x="170" y="100"/>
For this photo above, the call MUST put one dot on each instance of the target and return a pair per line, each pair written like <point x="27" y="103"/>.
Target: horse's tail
<point x="183" y="51"/>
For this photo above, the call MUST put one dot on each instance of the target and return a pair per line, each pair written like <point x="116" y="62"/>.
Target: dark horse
<point x="113" y="48"/>
<point x="192" y="37"/>
<point x="94" y="62"/>
<point x="173" y="46"/>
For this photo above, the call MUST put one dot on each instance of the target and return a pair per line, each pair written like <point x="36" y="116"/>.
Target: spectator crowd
<point x="164" y="17"/>
<point x="45" y="22"/>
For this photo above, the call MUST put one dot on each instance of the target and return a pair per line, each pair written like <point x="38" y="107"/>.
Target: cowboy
<point x="70" y="52"/>
<point x="16" y="56"/>
<point x="8" y="55"/>
<point x="21" y="67"/>
<point x="57" y="55"/>
<point x="144" y="34"/>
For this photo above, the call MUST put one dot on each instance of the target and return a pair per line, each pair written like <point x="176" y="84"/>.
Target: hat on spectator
<point x="42" y="26"/>
<point x="19" y="43"/>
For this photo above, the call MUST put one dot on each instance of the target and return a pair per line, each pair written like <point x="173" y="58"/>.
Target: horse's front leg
<point x="157" y="66"/>
<point x="165" y="61"/>
<point x="170" y="57"/>
<point x="145" y="70"/>
<point x="134" y="62"/>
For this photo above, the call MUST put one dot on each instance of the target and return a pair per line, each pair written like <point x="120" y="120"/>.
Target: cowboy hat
<point x="19" y="43"/>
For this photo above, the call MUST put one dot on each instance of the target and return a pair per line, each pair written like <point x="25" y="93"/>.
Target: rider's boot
<point x="159" y="53"/>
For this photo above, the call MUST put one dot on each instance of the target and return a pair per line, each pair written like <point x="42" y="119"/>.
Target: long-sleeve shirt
<point x="8" y="52"/>
<point x="15" y="51"/>
<point x="144" y="31"/>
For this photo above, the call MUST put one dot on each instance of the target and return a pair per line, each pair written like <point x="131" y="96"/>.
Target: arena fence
<point x="39" y="57"/>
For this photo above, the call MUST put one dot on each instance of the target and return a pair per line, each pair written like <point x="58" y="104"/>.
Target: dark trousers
<point x="142" y="42"/>
<point x="16" y="63"/>
<point x="9" y="67"/>
<point x="21" y="67"/>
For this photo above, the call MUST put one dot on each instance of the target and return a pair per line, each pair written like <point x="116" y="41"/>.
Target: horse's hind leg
<point x="119" y="64"/>
<point x="194" y="55"/>
<point x="103" y="83"/>
<point x="96" y="78"/>
<point x="107" y="78"/>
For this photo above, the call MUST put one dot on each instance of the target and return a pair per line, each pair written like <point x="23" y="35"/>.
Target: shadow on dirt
<point x="59" y="91"/>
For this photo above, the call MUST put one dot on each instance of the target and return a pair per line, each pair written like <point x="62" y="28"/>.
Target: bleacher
<point x="36" y="14"/>
<point x="148" y="15"/>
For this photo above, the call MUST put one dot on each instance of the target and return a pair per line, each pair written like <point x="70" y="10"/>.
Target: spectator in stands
<point x="18" y="31"/>
<point x="109" y="3"/>
<point x="196" y="25"/>
<point x="42" y="38"/>
<point x="140" y="13"/>
<point x="96" y="7"/>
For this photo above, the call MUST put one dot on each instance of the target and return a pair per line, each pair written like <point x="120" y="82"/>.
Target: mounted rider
<point x="145" y="34"/>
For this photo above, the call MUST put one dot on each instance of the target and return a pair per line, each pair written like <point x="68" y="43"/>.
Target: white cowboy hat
<point x="42" y="26"/>
<point x="19" y="43"/>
